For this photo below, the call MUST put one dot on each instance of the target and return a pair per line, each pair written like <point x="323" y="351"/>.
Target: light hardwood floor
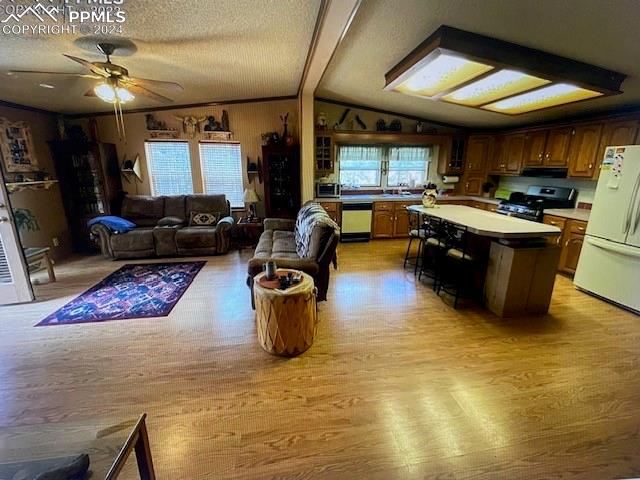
<point x="397" y="385"/>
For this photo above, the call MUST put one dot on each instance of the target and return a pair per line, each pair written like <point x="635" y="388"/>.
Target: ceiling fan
<point x="115" y="86"/>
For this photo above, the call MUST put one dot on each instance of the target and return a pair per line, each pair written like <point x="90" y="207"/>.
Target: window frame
<point x="241" y="205"/>
<point x="385" y="161"/>
<point x="149" y="162"/>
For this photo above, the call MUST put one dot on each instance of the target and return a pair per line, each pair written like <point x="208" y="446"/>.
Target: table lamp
<point x="250" y="197"/>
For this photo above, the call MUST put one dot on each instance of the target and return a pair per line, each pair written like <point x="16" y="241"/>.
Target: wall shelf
<point x="14" y="187"/>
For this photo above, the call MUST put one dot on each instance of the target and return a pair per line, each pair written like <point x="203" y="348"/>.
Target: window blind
<point x="360" y="165"/>
<point x="5" y="271"/>
<point x="222" y="170"/>
<point x="169" y="166"/>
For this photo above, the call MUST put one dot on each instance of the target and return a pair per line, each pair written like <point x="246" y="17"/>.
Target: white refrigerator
<point x="609" y="264"/>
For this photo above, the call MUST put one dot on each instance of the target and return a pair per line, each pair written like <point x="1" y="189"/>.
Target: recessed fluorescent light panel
<point x="441" y="74"/>
<point x="472" y="70"/>
<point x="545" y="97"/>
<point x="495" y="86"/>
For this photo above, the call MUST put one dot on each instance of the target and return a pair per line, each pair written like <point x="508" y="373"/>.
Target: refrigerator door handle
<point x="637" y="219"/>
<point x="628" y="214"/>
<point x="614" y="247"/>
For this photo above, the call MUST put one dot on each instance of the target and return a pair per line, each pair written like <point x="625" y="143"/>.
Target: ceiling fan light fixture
<point x="124" y="95"/>
<point x="105" y="92"/>
<point x="465" y="68"/>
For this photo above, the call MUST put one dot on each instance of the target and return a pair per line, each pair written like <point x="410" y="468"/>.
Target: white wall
<point x="586" y="188"/>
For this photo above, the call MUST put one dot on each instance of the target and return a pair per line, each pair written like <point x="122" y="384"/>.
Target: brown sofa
<point x="317" y="238"/>
<point x="163" y="227"/>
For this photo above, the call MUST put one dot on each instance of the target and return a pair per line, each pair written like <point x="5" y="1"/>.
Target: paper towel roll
<point x="450" y="179"/>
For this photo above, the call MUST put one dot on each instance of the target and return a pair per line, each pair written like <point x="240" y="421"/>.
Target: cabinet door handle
<point x="590" y="166"/>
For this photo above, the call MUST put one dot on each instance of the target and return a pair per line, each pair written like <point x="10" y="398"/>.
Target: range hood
<point x="545" y="172"/>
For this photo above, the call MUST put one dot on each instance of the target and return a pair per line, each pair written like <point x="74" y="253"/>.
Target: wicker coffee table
<point x="286" y="320"/>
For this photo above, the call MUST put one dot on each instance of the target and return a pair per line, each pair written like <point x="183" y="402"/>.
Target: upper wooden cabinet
<point x="513" y="151"/>
<point x="451" y="156"/>
<point x="534" y="148"/>
<point x="616" y="132"/>
<point x="473" y="185"/>
<point x="584" y="150"/>
<point x="507" y="153"/>
<point x="478" y="151"/>
<point x="557" y="150"/>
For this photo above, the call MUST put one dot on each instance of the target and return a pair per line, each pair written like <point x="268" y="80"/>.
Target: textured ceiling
<point x="217" y="49"/>
<point x="600" y="32"/>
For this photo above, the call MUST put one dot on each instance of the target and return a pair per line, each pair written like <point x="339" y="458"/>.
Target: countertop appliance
<point x="327" y="190"/>
<point x="531" y="205"/>
<point x="609" y="264"/>
<point x="356" y="222"/>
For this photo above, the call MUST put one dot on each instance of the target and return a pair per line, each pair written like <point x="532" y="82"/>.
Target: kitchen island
<point x="520" y="264"/>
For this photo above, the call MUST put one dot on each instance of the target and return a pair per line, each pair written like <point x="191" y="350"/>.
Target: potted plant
<point x="26" y="221"/>
<point x="487" y="187"/>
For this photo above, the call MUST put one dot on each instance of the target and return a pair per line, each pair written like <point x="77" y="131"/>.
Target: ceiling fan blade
<point x="81" y="75"/>
<point x="85" y="63"/>
<point x="139" y="90"/>
<point x="147" y="82"/>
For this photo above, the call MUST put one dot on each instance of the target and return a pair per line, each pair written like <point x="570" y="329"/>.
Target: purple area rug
<point x="133" y="291"/>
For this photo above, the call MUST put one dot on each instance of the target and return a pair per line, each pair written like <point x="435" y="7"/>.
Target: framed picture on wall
<point x="16" y="146"/>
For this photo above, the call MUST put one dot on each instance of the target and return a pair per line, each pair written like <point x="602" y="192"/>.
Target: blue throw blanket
<point x="117" y="224"/>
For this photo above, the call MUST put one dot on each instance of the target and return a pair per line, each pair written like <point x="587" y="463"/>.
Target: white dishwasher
<point x="356" y="222"/>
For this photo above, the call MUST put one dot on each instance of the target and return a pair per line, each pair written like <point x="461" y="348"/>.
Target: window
<point x="360" y="165"/>
<point x="222" y="170"/>
<point x="407" y="165"/>
<point x="169" y="166"/>
<point x="382" y="166"/>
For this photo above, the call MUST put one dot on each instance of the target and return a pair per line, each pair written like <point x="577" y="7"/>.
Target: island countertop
<point x="488" y="224"/>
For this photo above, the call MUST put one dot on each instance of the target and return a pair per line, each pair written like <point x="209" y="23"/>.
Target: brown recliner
<point x="278" y="243"/>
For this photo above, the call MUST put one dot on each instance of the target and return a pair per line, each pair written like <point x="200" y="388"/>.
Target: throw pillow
<point x="204" y="219"/>
<point x="170" y="222"/>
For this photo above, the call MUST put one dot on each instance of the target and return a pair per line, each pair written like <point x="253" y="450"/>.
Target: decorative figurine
<point x="211" y="125"/>
<point x="430" y="195"/>
<point x="339" y="124"/>
<point x="395" y="125"/>
<point x="286" y="137"/>
<point x="225" y="122"/>
<point x="321" y="121"/>
<point x="360" y="123"/>
<point x="419" y="126"/>
<point x="381" y="125"/>
<point x="190" y="124"/>
<point x="153" y="124"/>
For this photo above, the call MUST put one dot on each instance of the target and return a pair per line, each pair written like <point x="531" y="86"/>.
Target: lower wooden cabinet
<point x="571" y="252"/>
<point x="334" y="209"/>
<point x="383" y="224"/>
<point x="391" y="219"/>
<point x="570" y="240"/>
<point x="556" y="222"/>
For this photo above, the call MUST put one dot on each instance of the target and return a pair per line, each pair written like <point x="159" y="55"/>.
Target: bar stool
<point x="433" y="250"/>
<point x="419" y="234"/>
<point x="458" y="262"/>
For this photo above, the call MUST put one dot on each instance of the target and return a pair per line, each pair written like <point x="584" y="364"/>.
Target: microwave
<point x="327" y="190"/>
